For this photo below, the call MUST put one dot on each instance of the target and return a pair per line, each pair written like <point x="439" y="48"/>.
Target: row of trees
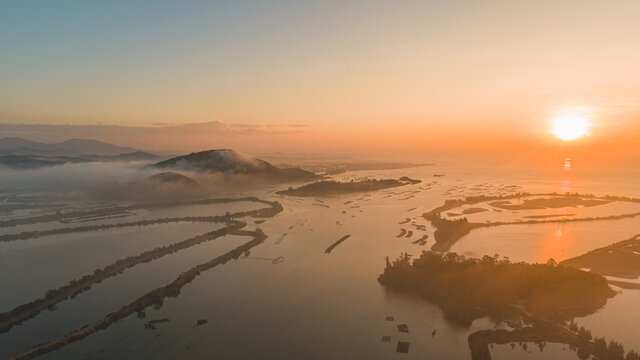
<point x="599" y="347"/>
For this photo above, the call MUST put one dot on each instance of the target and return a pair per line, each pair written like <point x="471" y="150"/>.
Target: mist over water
<point x="308" y="303"/>
<point x="82" y="176"/>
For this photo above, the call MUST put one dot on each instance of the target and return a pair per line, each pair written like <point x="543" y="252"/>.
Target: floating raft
<point x="422" y="241"/>
<point x="403" y="328"/>
<point x="151" y="325"/>
<point x="403" y="347"/>
<point x="386" y="338"/>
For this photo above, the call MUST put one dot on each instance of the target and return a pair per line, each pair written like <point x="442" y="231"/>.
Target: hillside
<point x="232" y="162"/>
<point x="19" y="146"/>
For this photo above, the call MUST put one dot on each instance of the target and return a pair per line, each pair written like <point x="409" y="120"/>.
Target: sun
<point x="570" y="127"/>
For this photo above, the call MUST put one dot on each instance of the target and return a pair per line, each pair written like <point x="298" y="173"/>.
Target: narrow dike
<point x="121" y="209"/>
<point x="332" y="246"/>
<point x="74" y="287"/>
<point x="52" y="297"/>
<point x="153" y="298"/>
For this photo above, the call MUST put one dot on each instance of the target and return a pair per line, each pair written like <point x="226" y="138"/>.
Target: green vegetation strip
<point x="26" y="235"/>
<point x="326" y="187"/>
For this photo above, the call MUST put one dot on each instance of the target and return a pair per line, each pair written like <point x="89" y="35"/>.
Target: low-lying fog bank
<point x="127" y="181"/>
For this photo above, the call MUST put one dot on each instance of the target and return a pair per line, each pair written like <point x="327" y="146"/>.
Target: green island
<point x="467" y="289"/>
<point x="546" y="296"/>
<point x="329" y="187"/>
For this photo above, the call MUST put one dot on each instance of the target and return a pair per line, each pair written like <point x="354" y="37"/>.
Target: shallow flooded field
<point x="540" y="242"/>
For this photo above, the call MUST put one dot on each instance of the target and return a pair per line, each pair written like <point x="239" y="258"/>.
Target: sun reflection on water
<point x="566" y="181"/>
<point x="558" y="243"/>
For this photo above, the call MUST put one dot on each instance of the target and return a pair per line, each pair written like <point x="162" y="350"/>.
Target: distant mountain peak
<point x="74" y="146"/>
<point x="230" y="161"/>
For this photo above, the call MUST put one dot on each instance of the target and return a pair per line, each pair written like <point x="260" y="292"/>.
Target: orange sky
<point x="362" y="76"/>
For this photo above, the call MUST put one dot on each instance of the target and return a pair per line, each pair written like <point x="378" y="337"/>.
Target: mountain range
<point x="71" y="147"/>
<point x="18" y="153"/>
